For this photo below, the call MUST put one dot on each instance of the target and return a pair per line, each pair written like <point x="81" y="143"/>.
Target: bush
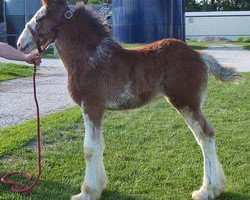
<point x="243" y="39"/>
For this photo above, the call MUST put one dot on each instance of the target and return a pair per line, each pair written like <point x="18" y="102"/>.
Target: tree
<point x="213" y="5"/>
<point x="208" y="5"/>
<point x="192" y="5"/>
<point x="195" y="5"/>
<point x="235" y="4"/>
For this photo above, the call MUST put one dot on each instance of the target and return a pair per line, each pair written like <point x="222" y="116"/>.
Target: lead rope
<point x="18" y="186"/>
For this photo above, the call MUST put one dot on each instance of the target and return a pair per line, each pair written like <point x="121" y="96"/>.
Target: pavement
<point x="231" y="55"/>
<point x="16" y="96"/>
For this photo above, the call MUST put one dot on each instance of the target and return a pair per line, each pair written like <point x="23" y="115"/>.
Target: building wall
<point x="3" y="32"/>
<point x="227" y="24"/>
<point x="18" y="13"/>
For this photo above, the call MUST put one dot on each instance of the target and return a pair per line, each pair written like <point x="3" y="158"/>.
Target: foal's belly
<point x="124" y="101"/>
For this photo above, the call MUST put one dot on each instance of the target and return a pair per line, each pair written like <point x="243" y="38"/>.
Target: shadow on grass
<point x="115" y="195"/>
<point x="47" y="190"/>
<point x="233" y="196"/>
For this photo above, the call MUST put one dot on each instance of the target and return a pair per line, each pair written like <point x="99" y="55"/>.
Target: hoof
<point x="81" y="196"/>
<point x="202" y="194"/>
<point x="84" y="196"/>
<point x="206" y="194"/>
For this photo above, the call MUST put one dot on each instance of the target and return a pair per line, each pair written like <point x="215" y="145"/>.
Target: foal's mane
<point x="86" y="13"/>
<point x="91" y="29"/>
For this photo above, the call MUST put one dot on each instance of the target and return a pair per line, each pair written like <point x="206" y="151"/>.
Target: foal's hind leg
<point x="95" y="176"/>
<point x="214" y="178"/>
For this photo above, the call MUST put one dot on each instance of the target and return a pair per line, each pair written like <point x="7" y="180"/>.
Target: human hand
<point x="33" y="58"/>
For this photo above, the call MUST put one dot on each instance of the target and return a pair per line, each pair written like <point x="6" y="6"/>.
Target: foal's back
<point x="167" y="67"/>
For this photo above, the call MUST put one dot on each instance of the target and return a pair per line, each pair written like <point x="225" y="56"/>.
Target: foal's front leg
<point x="95" y="175"/>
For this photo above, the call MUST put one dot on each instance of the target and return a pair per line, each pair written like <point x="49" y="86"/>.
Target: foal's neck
<point x="83" y="39"/>
<point x="73" y="47"/>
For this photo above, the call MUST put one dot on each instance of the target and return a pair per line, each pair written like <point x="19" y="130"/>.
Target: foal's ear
<point x="47" y="3"/>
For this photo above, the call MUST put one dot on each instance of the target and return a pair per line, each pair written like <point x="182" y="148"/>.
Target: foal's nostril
<point x="19" y="46"/>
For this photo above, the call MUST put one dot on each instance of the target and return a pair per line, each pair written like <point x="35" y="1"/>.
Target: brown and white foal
<point x="102" y="75"/>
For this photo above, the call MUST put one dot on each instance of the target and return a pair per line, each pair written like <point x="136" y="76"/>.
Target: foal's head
<point x="41" y="29"/>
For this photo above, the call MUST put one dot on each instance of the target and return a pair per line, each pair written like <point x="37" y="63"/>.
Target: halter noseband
<point x="54" y="29"/>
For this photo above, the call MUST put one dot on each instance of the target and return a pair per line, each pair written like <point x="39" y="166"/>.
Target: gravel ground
<point x="16" y="96"/>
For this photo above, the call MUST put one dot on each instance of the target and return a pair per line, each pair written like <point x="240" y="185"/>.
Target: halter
<point x="54" y="29"/>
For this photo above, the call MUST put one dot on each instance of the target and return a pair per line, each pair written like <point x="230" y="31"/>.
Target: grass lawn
<point x="198" y="45"/>
<point x="150" y="153"/>
<point x="10" y="71"/>
<point x="246" y="45"/>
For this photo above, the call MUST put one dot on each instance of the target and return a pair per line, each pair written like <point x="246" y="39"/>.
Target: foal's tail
<point x="225" y="74"/>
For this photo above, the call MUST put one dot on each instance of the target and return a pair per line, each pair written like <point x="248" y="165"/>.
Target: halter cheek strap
<point x="36" y="37"/>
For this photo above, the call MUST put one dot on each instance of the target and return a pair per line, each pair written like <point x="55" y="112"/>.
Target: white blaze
<point x="26" y="41"/>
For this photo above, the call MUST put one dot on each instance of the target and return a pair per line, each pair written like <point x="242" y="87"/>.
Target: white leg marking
<point x="95" y="175"/>
<point x="214" y="178"/>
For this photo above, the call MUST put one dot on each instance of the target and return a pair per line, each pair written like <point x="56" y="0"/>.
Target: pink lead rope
<point x="18" y="186"/>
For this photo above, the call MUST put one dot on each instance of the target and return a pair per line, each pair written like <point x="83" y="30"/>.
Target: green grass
<point x="150" y="153"/>
<point x="203" y="45"/>
<point x="11" y="71"/>
<point x="198" y="45"/>
<point x="129" y="46"/>
<point x="246" y="45"/>
<point x="49" y="53"/>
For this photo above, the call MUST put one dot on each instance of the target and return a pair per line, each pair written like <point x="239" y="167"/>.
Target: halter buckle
<point x="68" y="14"/>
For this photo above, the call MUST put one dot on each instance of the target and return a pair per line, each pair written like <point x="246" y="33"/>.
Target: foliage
<point x="247" y="47"/>
<point x="235" y="5"/>
<point x="11" y="71"/>
<point x="243" y="39"/>
<point x="192" y="6"/>
<point x="207" y="5"/>
<point x="195" y="5"/>
<point x="150" y="153"/>
<point x="213" y="5"/>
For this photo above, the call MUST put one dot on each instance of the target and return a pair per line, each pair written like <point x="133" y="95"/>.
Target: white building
<point x="229" y="24"/>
